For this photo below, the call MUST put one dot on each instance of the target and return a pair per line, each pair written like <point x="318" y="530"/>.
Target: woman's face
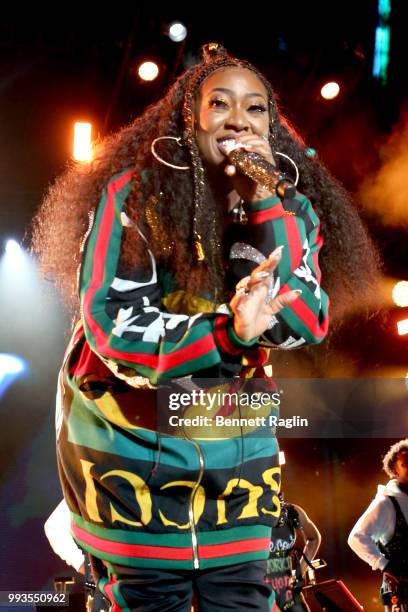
<point x="232" y="102"/>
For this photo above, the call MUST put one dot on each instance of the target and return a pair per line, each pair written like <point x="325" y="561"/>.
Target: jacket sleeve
<point x="297" y="228"/>
<point x="124" y="319"/>
<point x="376" y="524"/>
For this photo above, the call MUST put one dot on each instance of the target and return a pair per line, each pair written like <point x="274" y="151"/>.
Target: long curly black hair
<point x="173" y="206"/>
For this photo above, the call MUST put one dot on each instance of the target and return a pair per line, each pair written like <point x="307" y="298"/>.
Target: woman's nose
<point x="237" y="120"/>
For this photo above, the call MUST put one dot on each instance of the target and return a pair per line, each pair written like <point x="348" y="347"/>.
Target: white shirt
<point x="58" y="531"/>
<point x="377" y="524"/>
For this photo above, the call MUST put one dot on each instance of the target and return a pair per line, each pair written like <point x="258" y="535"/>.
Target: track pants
<point x="234" y="587"/>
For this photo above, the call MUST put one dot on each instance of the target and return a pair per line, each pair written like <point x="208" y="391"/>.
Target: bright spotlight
<point x="11" y="364"/>
<point x="15" y="265"/>
<point x="177" y="31"/>
<point x="14" y="257"/>
<point x="82" y="141"/>
<point x="13" y="248"/>
<point x="329" y="91"/>
<point x="148" y="71"/>
<point x="11" y="367"/>
<point x="400" y="293"/>
<point x="402" y="327"/>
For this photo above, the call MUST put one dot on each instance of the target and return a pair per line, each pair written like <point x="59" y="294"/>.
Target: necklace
<point x="238" y="213"/>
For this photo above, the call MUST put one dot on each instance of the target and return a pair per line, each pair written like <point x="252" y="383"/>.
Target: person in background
<point x="57" y="528"/>
<point x="294" y="543"/>
<point x="380" y="536"/>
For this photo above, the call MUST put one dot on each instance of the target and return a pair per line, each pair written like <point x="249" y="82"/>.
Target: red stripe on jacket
<point x="132" y="550"/>
<point x="305" y="314"/>
<point x="295" y="242"/>
<point x="260" y="216"/>
<point x="209" y="551"/>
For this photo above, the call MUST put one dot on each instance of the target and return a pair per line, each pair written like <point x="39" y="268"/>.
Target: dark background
<point x="71" y="63"/>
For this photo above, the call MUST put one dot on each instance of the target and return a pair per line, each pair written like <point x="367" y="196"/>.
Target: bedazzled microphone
<point x="255" y="166"/>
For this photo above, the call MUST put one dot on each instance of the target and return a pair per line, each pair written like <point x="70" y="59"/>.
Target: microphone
<point x="259" y="169"/>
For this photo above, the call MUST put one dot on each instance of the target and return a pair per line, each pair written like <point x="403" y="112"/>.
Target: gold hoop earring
<point x="162" y="161"/>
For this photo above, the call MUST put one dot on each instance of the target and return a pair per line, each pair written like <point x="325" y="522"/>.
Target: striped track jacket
<point x="138" y="495"/>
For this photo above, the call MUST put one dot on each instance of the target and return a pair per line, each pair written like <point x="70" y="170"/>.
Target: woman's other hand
<point x="252" y="310"/>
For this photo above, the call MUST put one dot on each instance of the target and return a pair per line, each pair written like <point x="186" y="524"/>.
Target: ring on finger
<point x="242" y="291"/>
<point x="243" y="283"/>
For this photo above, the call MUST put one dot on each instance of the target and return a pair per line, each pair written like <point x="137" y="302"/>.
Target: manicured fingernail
<point x="298" y="291"/>
<point x="262" y="274"/>
<point x="277" y="251"/>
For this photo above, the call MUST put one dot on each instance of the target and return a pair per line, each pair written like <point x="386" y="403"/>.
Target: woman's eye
<point x="257" y="108"/>
<point x="217" y="103"/>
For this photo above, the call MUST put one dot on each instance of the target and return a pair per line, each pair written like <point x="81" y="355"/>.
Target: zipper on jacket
<point x="196" y="561"/>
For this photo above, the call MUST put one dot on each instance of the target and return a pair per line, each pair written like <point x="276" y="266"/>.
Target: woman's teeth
<point x="228" y="144"/>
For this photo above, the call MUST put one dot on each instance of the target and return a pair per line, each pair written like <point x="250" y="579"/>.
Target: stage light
<point x="11" y="367"/>
<point x="400" y="293"/>
<point x="402" y="327"/>
<point x="382" y="42"/>
<point x="330" y="90"/>
<point x="82" y="141"/>
<point x="177" y="31"/>
<point x="14" y="259"/>
<point x="148" y="71"/>
<point x="13" y="248"/>
<point x="11" y="364"/>
<point x="384" y="9"/>
<point x="17" y="279"/>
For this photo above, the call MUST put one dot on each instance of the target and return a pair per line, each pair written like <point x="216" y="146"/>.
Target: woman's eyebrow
<point x="231" y="93"/>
